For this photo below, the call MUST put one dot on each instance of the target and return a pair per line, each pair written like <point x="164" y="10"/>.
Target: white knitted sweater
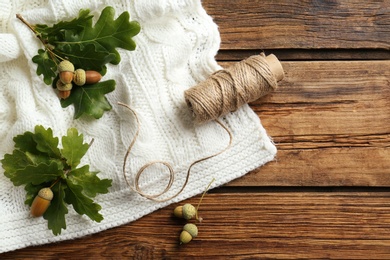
<point x="175" y="50"/>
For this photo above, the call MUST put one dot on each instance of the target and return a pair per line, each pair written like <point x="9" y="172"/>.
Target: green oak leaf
<point x="74" y="147"/>
<point x="36" y="159"/>
<point x="56" y="32"/>
<point x="19" y="160"/>
<point x="107" y="34"/>
<point x="81" y="203"/>
<point x="26" y="143"/>
<point x="37" y="163"/>
<point x="46" y="66"/>
<point x="36" y="174"/>
<point x="14" y="162"/>
<point x="90" y="99"/>
<point x="46" y="142"/>
<point x="55" y="214"/>
<point x="88" y="58"/>
<point x="27" y="154"/>
<point x="89" y="46"/>
<point x="90" y="183"/>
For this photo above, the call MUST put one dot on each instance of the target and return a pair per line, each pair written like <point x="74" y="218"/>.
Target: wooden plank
<point x="308" y="54"/>
<point x="304" y="225"/>
<point x="323" y="167"/>
<point x="336" y="98"/>
<point x="302" y="24"/>
<point x="331" y="124"/>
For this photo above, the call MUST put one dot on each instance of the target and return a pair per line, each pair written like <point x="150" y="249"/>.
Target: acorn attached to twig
<point x="188" y="211"/>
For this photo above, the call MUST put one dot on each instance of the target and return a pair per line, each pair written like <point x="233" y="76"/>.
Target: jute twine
<point x="227" y="90"/>
<point x="223" y="92"/>
<point x="156" y="197"/>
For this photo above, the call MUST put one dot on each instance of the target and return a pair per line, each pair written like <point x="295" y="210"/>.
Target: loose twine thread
<point x="227" y="90"/>
<point x="223" y="92"/>
<point x="136" y="187"/>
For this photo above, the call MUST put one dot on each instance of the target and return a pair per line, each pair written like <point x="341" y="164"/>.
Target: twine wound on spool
<point x="227" y="90"/>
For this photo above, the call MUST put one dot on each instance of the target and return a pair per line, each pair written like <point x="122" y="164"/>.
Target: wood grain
<point x="304" y="225"/>
<point x="331" y="124"/>
<point x="330" y="120"/>
<point x="308" y="54"/>
<point x="302" y="24"/>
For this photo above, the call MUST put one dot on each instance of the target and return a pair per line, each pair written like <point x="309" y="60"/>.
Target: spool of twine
<point x="227" y="90"/>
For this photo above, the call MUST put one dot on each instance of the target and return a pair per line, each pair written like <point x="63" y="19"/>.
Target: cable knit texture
<point x="175" y="50"/>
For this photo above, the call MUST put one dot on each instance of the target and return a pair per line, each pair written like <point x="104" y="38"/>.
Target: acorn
<point x="92" y="77"/>
<point x="82" y="77"/>
<point x="63" y="89"/>
<point x="66" y="70"/>
<point x="187" y="211"/>
<point x="190" y="231"/>
<point x="64" y="94"/>
<point x="41" y="202"/>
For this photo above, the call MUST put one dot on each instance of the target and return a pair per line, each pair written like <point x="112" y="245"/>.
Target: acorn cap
<point x="46" y="194"/>
<point x="79" y="77"/>
<point x="189" y="211"/>
<point x="63" y="87"/>
<point x="65" y="65"/>
<point x="192" y="229"/>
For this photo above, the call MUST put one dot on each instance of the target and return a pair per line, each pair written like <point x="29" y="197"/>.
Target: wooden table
<point x="326" y="195"/>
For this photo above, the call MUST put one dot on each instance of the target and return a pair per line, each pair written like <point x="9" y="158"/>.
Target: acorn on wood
<point x="187" y="211"/>
<point x="190" y="231"/>
<point x="41" y="202"/>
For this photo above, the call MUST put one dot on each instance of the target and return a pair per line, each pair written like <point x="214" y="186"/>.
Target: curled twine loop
<point x="227" y="90"/>
<point x="136" y="187"/>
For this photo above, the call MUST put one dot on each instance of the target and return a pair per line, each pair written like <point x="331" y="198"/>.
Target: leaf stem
<point x="53" y="55"/>
<point x="38" y="35"/>
<point x="55" y="182"/>
<point x="59" y="178"/>
<point x="28" y="25"/>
